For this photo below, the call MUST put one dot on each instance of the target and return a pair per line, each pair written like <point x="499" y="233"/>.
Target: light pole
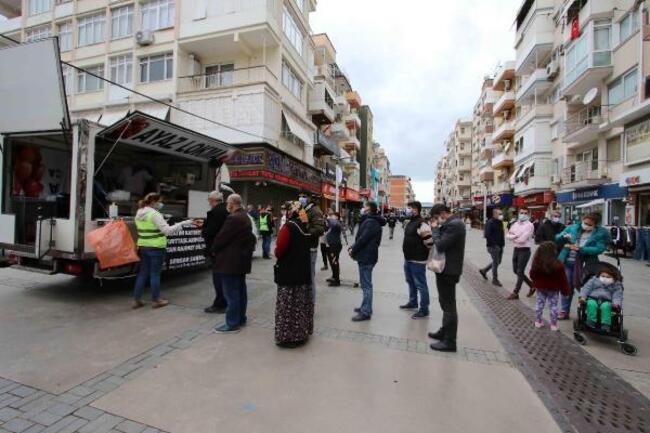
<point x="484" y="188"/>
<point x="339" y="177"/>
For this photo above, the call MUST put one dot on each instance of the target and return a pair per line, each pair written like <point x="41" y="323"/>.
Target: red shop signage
<point x="352" y="195"/>
<point x="329" y="191"/>
<point x="276" y="177"/>
<point x="541" y="198"/>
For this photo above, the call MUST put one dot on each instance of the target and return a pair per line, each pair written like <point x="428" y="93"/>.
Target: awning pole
<point x="112" y="148"/>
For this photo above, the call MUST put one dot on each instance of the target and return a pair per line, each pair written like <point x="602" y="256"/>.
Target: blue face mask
<point x="408" y="213"/>
<point x="304" y="201"/>
<point x="523" y="217"/>
<point x="160" y="206"/>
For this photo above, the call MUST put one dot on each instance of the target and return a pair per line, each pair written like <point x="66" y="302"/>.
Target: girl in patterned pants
<point x="549" y="279"/>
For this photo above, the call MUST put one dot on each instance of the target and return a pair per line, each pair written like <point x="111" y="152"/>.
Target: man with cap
<point x="312" y="216"/>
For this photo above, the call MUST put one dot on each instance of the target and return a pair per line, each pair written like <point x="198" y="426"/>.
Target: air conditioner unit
<point x="144" y="37"/>
<point x="195" y="65"/>
<point x="552" y="69"/>
<point x="555" y="179"/>
<point x="506" y="114"/>
<point x="507" y="84"/>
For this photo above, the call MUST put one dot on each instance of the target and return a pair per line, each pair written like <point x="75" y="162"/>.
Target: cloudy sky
<point x="419" y="67"/>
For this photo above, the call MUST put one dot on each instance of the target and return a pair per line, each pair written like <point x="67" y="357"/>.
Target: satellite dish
<point x="590" y="96"/>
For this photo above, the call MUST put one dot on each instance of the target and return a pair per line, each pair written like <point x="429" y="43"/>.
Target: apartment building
<point x="440" y="184"/>
<point x="381" y="165"/>
<point x="366" y="142"/>
<point x="459" y="158"/>
<point x="400" y="191"/>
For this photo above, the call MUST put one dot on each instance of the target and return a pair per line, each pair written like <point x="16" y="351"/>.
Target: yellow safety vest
<point x="149" y="235"/>
<point x="264" y="223"/>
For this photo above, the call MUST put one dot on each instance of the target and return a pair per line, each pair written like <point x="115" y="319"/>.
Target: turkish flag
<point x="575" y="28"/>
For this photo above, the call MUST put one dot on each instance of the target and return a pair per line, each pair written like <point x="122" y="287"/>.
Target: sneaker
<point x="531" y="292"/>
<point x="408" y="306"/>
<point x="443" y="346"/>
<point x="225" y="329"/>
<point x="563" y="316"/>
<point x="160" y="303"/>
<point x="539" y="324"/>
<point x="420" y="315"/>
<point x="438" y="335"/>
<point x="497" y="283"/>
<point x="554" y="328"/>
<point x="324" y="268"/>
<point x="215" y="310"/>
<point x="513" y="296"/>
<point x="357" y="310"/>
<point x="334" y="283"/>
<point x="483" y="273"/>
<point x="360" y="317"/>
<point x="137" y="304"/>
<point x="329" y="280"/>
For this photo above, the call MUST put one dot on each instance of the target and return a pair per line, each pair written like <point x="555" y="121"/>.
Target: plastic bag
<point x="436" y="261"/>
<point x="113" y="245"/>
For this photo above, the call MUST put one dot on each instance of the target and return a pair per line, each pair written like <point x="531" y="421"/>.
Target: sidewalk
<point x="635" y="370"/>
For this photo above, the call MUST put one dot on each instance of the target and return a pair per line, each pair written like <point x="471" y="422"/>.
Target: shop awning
<point x="148" y="132"/>
<point x="596" y="202"/>
<point x="158" y="111"/>
<point x="297" y="129"/>
<point x="112" y="116"/>
<point x="516" y="173"/>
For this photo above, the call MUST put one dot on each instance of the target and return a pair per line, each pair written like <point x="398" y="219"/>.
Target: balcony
<point x="10" y="25"/>
<point x="227" y="80"/>
<point x="537" y="81"/>
<point x="590" y="10"/>
<point x="486" y="173"/>
<point x="533" y="176"/>
<point x="340" y="132"/>
<point x="486" y="152"/>
<point x="325" y="145"/>
<point x="534" y="184"/>
<point x="321" y="104"/>
<point x="584" y="126"/>
<point x="530" y="112"/>
<point x="585" y="66"/>
<point x="501" y="187"/>
<point x="585" y="173"/>
<point x="502" y="160"/>
<point x="504" y="131"/>
<point x="352" y="144"/>
<point x="462" y="181"/>
<point x="10" y="9"/>
<point x="341" y="105"/>
<point x="464" y="167"/>
<point x="505" y="102"/>
<point x="506" y="72"/>
<point x="535" y="32"/>
<point x="353" y="99"/>
<point x="352" y="120"/>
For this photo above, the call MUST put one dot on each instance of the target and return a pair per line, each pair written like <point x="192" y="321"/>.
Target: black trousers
<point x="447" y="297"/>
<point x="333" y="254"/>
<point x="496" y="252"/>
<point x="323" y="251"/>
<point x="519" y="261"/>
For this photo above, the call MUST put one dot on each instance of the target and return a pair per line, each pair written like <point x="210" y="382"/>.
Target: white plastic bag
<point x="436" y="261"/>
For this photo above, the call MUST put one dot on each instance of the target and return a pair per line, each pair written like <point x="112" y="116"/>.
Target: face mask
<point x="409" y="213"/>
<point x="303" y="201"/>
<point x="606" y="280"/>
<point x="523" y="217"/>
<point x="160" y="206"/>
<point x="586" y="227"/>
<point x="500" y="217"/>
<point x="362" y="211"/>
<point x="555" y="219"/>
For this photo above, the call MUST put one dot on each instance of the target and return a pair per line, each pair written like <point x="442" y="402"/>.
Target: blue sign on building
<point x="608" y="191"/>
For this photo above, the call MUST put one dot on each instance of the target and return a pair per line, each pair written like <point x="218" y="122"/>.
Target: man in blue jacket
<point x="495" y="240"/>
<point x="365" y="252"/>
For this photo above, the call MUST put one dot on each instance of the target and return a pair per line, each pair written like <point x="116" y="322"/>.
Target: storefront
<point x="328" y="199"/>
<point x="538" y="204"/>
<point x="608" y="200"/>
<point x="265" y="176"/>
<point x="352" y="204"/>
<point x="637" y="209"/>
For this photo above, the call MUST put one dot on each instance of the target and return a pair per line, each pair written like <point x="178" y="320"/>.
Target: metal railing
<point x="584" y="170"/>
<point x="225" y="79"/>
<point x="585" y="118"/>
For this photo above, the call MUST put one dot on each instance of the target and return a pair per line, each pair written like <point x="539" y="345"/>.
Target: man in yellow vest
<point x="265" y="223"/>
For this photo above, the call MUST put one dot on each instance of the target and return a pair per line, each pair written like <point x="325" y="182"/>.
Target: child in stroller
<point x="600" y="306"/>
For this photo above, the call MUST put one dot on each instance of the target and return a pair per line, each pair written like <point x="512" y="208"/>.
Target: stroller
<point x="580" y="325"/>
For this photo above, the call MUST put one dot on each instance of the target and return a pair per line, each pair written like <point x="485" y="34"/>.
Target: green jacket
<point x="595" y="245"/>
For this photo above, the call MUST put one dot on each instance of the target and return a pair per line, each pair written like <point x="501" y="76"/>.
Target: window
<point x="301" y="5"/>
<point x="89" y="83"/>
<point x="158" y="14"/>
<point x="577" y="60"/>
<point x="602" y="43"/>
<point x="37" y="33"/>
<point x="219" y="75"/>
<point x="122" y="22"/>
<point x="39" y="6"/>
<point x="614" y="149"/>
<point x="65" y="36"/>
<point x="157" y="68"/>
<point x="624" y="87"/>
<point x="121" y="68"/>
<point x="292" y="31"/>
<point x="90" y="29"/>
<point x="628" y="25"/>
<point x="291" y="81"/>
<point x="67" y="79"/>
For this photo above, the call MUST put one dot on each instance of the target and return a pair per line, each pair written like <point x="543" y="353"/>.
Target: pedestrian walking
<point x="294" y="307"/>
<point x="549" y="281"/>
<point x="521" y="234"/>
<point x="582" y="243"/>
<point x="232" y="249"/>
<point x="449" y="238"/>
<point x="495" y="242"/>
<point x="152" y="242"/>
<point x="416" y="245"/>
<point x="211" y="226"/>
<point x="266" y="225"/>
<point x="392" y="222"/>
<point x="334" y="247"/>
<point x="550" y="228"/>
<point x="365" y="251"/>
<point x="312" y="216"/>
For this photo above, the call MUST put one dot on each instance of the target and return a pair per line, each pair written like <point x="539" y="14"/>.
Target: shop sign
<point x="637" y="142"/>
<point x="247" y="158"/>
<point x="185" y="249"/>
<point x="587" y="194"/>
<point x="635" y="177"/>
<point x="494" y="200"/>
<point x="329" y="191"/>
<point x="276" y="177"/>
<point x="352" y="195"/>
<point x="141" y="130"/>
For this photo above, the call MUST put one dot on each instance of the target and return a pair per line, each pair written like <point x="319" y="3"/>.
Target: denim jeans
<point x="520" y="259"/>
<point x="234" y="289"/>
<point x="642" y="251"/>
<point x="566" y="300"/>
<point x="219" y="298"/>
<point x="416" y="278"/>
<point x="266" y="244"/>
<point x="151" y="263"/>
<point x="496" y="253"/>
<point x="365" y="279"/>
<point x="314" y="259"/>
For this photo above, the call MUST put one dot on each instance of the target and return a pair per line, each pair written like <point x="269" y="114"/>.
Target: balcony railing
<point x="588" y="117"/>
<point x="226" y="79"/>
<point x="585" y="171"/>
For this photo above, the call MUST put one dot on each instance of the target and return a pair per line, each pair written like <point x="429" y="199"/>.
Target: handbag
<point x="436" y="260"/>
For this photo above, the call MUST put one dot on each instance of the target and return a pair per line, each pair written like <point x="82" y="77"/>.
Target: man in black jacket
<point x="549" y="228"/>
<point x="213" y="222"/>
<point x="448" y="238"/>
<point x="312" y="216"/>
<point x="392" y="222"/>
<point x="365" y="252"/>
<point x="495" y="240"/>
<point x="417" y="241"/>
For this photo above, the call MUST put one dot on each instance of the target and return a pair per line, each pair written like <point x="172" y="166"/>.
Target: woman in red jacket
<point x="549" y="279"/>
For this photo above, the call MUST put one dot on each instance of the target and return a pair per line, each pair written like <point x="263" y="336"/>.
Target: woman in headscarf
<point x="294" y="310"/>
